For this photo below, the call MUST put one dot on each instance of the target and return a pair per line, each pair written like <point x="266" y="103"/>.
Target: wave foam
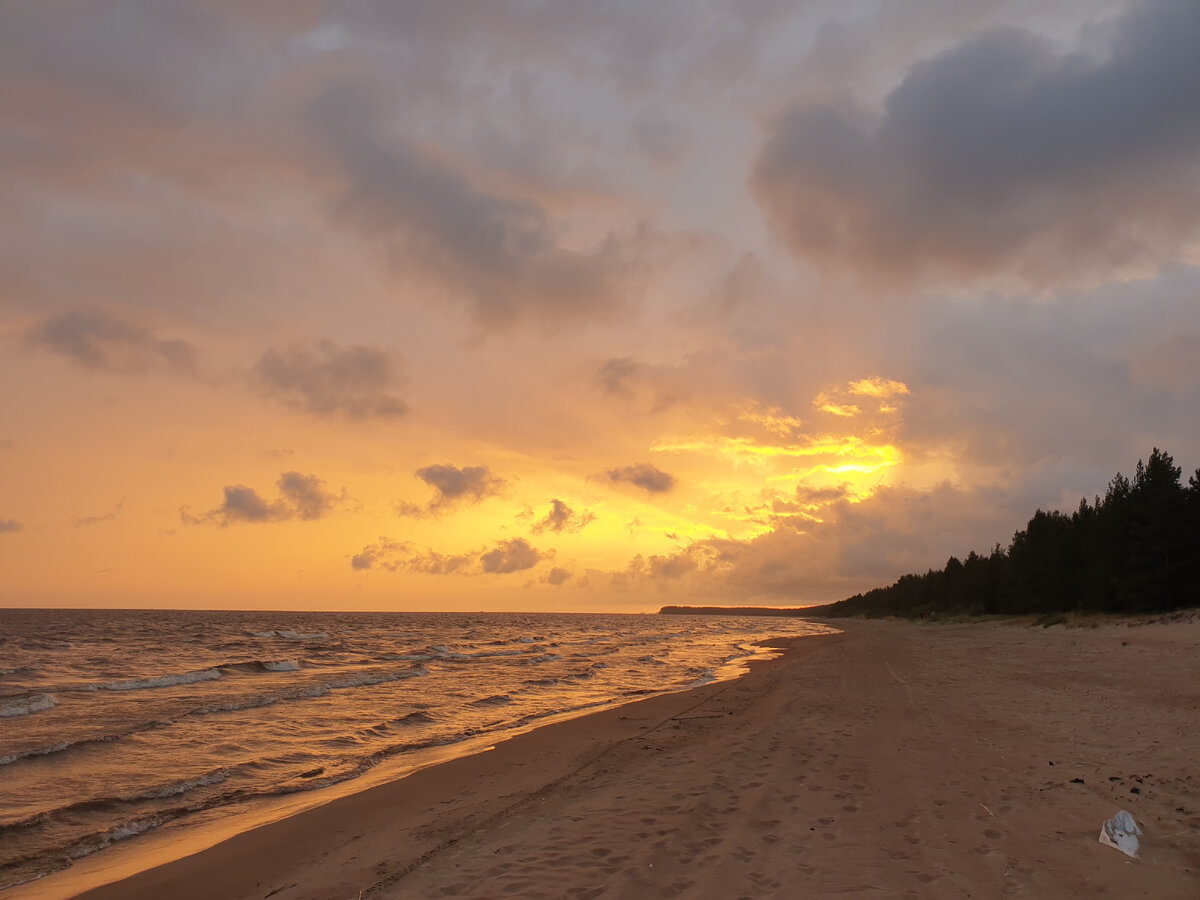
<point x="158" y="681"/>
<point x="27" y="705"/>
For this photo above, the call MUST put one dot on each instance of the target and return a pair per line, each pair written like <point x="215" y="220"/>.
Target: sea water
<point x="114" y="723"/>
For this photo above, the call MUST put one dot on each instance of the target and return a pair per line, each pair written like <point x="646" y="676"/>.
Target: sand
<point x="897" y="759"/>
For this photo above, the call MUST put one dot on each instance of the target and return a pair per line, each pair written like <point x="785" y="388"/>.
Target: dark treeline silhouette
<point x="1134" y="550"/>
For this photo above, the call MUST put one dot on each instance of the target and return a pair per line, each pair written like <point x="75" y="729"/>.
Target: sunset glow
<point x="419" y="306"/>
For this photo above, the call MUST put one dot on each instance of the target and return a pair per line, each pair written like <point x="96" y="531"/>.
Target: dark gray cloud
<point x="503" y="254"/>
<point x="300" y="497"/>
<point x="355" y="382"/>
<point x="1004" y="154"/>
<point x="643" y="475"/>
<point x="557" y="576"/>
<point x="97" y="340"/>
<point x="454" y="486"/>
<point x="561" y="517"/>
<point x="10" y="525"/>
<point x="305" y="495"/>
<point x="515" y="555"/>
<point x="243" y="504"/>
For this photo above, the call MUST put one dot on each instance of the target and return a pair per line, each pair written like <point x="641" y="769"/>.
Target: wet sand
<point x="895" y="760"/>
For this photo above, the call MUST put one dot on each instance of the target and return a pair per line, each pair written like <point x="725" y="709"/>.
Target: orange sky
<point x="462" y="306"/>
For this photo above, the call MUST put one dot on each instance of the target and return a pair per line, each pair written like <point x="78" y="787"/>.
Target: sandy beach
<point x="896" y="759"/>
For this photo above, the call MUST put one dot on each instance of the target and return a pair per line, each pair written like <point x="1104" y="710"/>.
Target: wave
<point x="17" y="670"/>
<point x="157" y="681"/>
<point x="308" y="692"/>
<point x="414" y="718"/>
<point x="94" y="842"/>
<point x="546" y="657"/>
<point x="288" y="635"/>
<point x="62" y="746"/>
<point x="26" y="705"/>
<point x="262" y="665"/>
<point x="159" y="792"/>
<point x="494" y="700"/>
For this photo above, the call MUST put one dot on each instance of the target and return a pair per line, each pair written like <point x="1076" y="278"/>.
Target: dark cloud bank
<point x="1004" y="152"/>
<point x="503" y="254"/>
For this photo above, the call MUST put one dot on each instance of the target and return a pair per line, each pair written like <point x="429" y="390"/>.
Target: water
<point x="116" y="722"/>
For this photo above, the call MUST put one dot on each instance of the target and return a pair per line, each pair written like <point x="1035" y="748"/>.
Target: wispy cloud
<point x="561" y="517"/>
<point x="109" y="516"/>
<point x="100" y="341"/>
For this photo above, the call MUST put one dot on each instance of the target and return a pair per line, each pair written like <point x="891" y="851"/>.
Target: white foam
<point x="159" y="681"/>
<point x="24" y="706"/>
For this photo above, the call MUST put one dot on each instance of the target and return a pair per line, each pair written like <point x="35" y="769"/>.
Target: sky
<point x="516" y="305"/>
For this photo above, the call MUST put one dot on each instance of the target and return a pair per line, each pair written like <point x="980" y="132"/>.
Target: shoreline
<point x="177" y="841"/>
<point x="896" y="759"/>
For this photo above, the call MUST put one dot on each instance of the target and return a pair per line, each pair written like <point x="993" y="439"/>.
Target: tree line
<point x="1134" y="550"/>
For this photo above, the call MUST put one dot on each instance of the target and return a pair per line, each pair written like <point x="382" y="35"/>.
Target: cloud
<point x="96" y="340"/>
<point x="109" y="516"/>
<point x="305" y="495"/>
<point x="851" y="399"/>
<point x="10" y="525"/>
<point x="433" y="563"/>
<point x="502" y="253"/>
<point x="515" y="555"/>
<point x="300" y="497"/>
<point x="382" y="553"/>
<point x="1004" y="155"/>
<point x="644" y="475"/>
<point x="613" y="376"/>
<point x="454" y="486"/>
<point x="399" y="556"/>
<point x="506" y="557"/>
<point x="665" y="142"/>
<point x="557" y="576"/>
<point x="562" y="518"/>
<point x="355" y="382"/>
<point x="852" y="547"/>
